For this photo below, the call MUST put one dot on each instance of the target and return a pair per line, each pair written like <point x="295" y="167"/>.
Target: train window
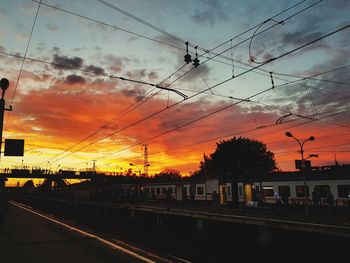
<point x="163" y="190"/>
<point x="268" y="190"/>
<point x="344" y="191"/>
<point x="322" y="190"/>
<point x="158" y="191"/>
<point x="284" y="190"/>
<point x="240" y="190"/>
<point x="192" y="189"/>
<point x="200" y="190"/>
<point x="299" y="190"/>
<point x="229" y="190"/>
<point x="146" y="191"/>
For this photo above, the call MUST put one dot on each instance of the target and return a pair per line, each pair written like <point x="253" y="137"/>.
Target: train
<point x="292" y="187"/>
<point x="296" y="187"/>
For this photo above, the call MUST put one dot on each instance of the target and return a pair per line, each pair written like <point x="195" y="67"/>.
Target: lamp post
<point x="301" y="145"/>
<point x="4" y="84"/>
<point x="139" y="169"/>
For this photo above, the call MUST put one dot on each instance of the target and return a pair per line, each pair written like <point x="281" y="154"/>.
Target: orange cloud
<point x="57" y="117"/>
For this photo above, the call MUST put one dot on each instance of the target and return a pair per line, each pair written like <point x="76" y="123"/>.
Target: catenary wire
<point x="216" y="85"/>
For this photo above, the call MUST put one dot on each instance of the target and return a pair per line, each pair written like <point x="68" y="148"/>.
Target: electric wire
<point x="22" y="65"/>
<point x="137" y="104"/>
<point x="204" y="50"/>
<point x="25" y="52"/>
<point x="109" y="25"/>
<point x="216" y="85"/>
<point x="141" y="21"/>
<point x="282" y="22"/>
<point x="245" y="40"/>
<point x="166" y="88"/>
<point x="216" y="138"/>
<point x="94" y="73"/>
<point x="308" y="120"/>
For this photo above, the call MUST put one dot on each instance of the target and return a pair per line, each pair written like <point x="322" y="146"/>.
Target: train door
<point x="248" y="196"/>
<point x="223" y="195"/>
<point x="180" y="192"/>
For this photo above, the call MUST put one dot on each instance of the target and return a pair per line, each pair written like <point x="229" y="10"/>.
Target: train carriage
<point x="296" y="190"/>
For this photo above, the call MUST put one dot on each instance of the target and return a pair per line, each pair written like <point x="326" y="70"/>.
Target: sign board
<point x="307" y="164"/>
<point x="14" y="147"/>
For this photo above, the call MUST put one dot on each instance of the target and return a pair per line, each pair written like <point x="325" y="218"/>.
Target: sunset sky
<point x="83" y="78"/>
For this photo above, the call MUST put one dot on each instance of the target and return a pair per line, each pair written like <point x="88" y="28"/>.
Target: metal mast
<point x="145" y="160"/>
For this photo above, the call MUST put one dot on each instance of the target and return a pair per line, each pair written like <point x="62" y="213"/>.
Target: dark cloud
<point x="153" y="75"/>
<point x="95" y="69"/>
<point x="133" y="93"/>
<point x="114" y="63"/>
<point x="136" y="73"/>
<point x="340" y="5"/>
<point x="56" y="50"/>
<point x="328" y="94"/>
<point x="74" y="79"/>
<point x="200" y="73"/>
<point x="79" y="49"/>
<point x="62" y="62"/>
<point x="52" y="27"/>
<point x="299" y="37"/>
<point x="171" y="43"/>
<point x="2" y="49"/>
<point x="210" y="13"/>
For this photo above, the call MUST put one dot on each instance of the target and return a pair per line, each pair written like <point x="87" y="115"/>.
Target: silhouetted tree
<point x="28" y="184"/>
<point x="168" y="174"/>
<point x="238" y="159"/>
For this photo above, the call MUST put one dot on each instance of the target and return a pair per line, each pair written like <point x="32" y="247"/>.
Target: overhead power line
<point x="177" y="47"/>
<point x="212" y="58"/>
<point x="220" y="54"/>
<point x="216" y="85"/>
<point x="166" y="88"/>
<point x="109" y="25"/>
<point x="241" y="132"/>
<point x="25" y="52"/>
<point x="99" y="74"/>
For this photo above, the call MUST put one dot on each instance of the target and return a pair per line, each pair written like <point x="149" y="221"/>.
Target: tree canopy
<point x="168" y="174"/>
<point x="238" y="158"/>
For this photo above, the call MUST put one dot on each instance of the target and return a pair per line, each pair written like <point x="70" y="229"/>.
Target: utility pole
<point x="4" y="84"/>
<point x="94" y="165"/>
<point x="145" y="160"/>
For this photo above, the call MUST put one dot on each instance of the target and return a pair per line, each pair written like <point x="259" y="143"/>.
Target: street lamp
<point x="301" y="144"/>
<point x="311" y="156"/>
<point x="131" y="164"/>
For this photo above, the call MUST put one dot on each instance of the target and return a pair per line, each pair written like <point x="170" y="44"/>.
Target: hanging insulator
<point x="188" y="58"/>
<point x="196" y="60"/>
<point x="272" y="82"/>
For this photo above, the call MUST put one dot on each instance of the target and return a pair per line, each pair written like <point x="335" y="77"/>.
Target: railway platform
<point x="30" y="236"/>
